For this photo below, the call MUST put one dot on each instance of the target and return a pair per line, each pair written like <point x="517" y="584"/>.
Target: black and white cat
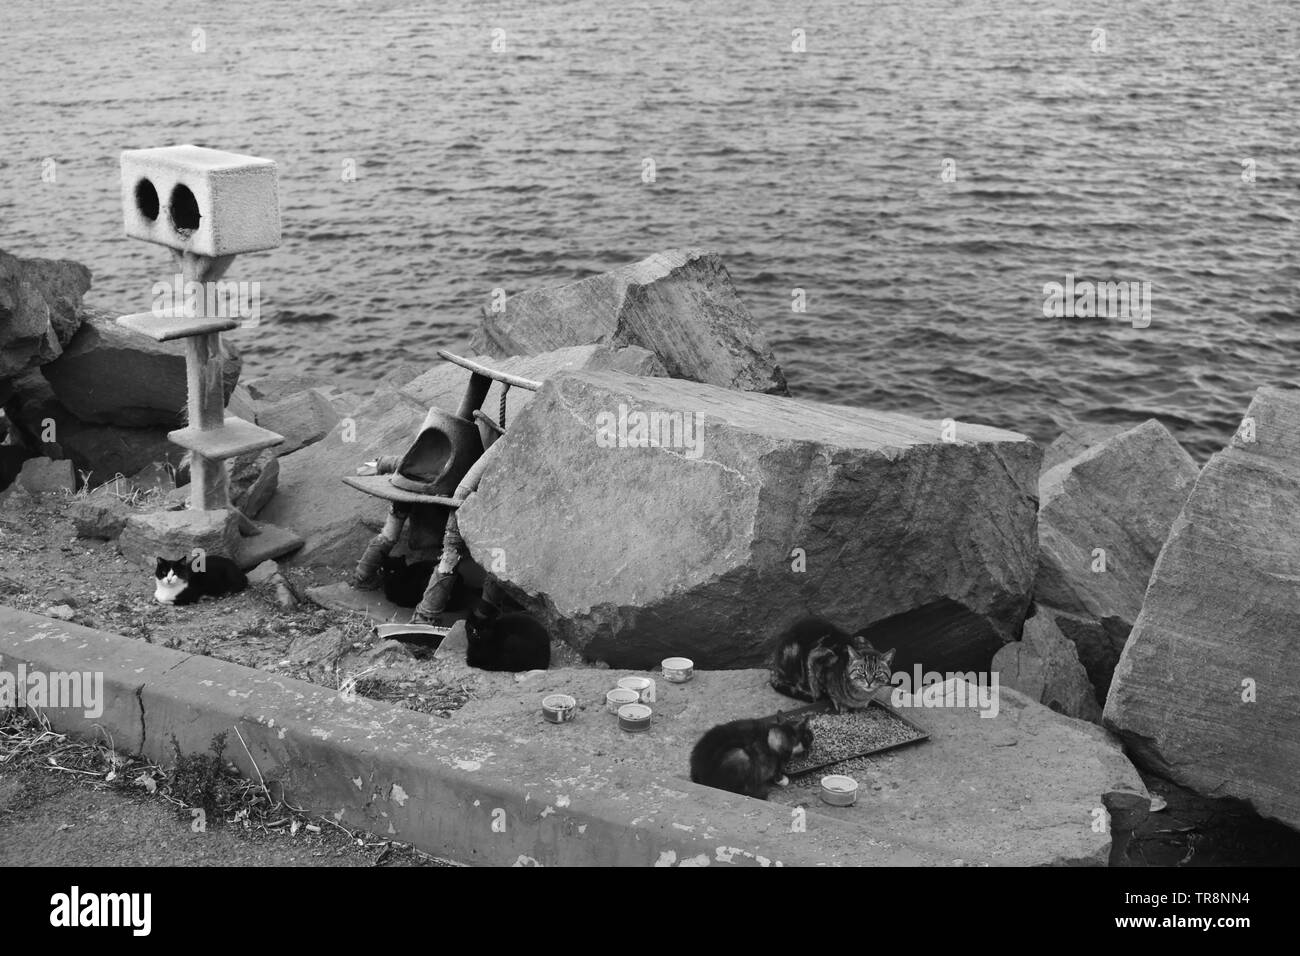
<point x="815" y="660"/>
<point x="181" y="582"/>
<point x="749" y="756"/>
<point x="506" y="642"/>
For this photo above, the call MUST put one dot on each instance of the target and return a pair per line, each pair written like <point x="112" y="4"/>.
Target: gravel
<point x="855" y="733"/>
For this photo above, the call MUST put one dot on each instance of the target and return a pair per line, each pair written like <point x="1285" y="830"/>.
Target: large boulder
<point x="1103" y="517"/>
<point x="1078" y="438"/>
<point x="679" y="304"/>
<point x="1207" y="691"/>
<point x="756" y="511"/>
<point x="1044" y="666"/>
<point x="110" y="375"/>
<point x="336" y="520"/>
<point x="39" y="304"/>
<point x="101" y="451"/>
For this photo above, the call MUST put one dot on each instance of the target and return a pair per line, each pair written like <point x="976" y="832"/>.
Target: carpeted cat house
<point x="427" y="483"/>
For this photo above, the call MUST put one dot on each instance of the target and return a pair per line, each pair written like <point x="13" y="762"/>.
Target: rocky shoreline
<point x="1105" y="577"/>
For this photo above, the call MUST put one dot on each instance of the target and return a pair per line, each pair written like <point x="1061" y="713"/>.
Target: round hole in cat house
<point x="184" y="210"/>
<point x="146" y="199"/>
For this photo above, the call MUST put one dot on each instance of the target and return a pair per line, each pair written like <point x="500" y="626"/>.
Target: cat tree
<point x="206" y="206"/>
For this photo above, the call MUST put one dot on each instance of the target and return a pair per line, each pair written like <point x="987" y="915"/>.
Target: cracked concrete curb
<point x="467" y="795"/>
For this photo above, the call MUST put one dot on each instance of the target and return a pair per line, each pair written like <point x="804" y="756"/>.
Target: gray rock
<point x="109" y="375"/>
<point x="1207" y="691"/>
<point x="679" y="304"/>
<point x="100" y="516"/>
<point x="1044" y="666"/>
<point x="41" y="476"/>
<point x="303" y="418"/>
<point x="335" y="521"/>
<point x="241" y="404"/>
<point x="384" y="654"/>
<point x="253" y="480"/>
<point x="155" y="477"/>
<point x="61" y="611"/>
<point x="174" y="534"/>
<point x="12" y="458"/>
<point x="325" y="648"/>
<point x="1103" y="517"/>
<point x="1077" y="439"/>
<point x="39" y="304"/>
<point x="632" y="554"/>
<point x="101" y="450"/>
<point x="264" y="573"/>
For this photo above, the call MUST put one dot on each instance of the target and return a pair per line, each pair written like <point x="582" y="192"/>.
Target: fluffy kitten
<point x="506" y="642"/>
<point x="749" y="756"/>
<point x="177" y="582"/>
<point x="815" y="660"/>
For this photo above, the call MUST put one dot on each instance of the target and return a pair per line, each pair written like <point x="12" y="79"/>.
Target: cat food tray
<point x="852" y="733"/>
<point x="417" y="633"/>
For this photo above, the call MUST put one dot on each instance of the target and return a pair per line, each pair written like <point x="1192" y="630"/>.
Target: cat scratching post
<point x="207" y="206"/>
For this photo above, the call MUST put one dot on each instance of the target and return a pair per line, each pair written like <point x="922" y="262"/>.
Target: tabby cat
<point x="749" y="756"/>
<point x="815" y="660"/>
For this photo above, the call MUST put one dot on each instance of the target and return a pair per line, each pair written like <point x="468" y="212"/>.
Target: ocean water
<point x="1170" y="157"/>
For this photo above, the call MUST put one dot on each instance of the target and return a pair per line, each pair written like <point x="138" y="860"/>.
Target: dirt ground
<point x="43" y="565"/>
<point x="65" y="803"/>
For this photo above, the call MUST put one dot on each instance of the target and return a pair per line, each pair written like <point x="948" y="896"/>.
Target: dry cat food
<point x="853" y="733"/>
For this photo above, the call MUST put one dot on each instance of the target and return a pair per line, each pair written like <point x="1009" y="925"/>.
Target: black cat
<point x="181" y="582"/>
<point x="749" y="756"/>
<point x="405" y="582"/>
<point x="506" y="642"/>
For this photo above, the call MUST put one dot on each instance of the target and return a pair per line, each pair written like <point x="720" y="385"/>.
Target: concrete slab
<point x="461" y="792"/>
<point x="1027" y="787"/>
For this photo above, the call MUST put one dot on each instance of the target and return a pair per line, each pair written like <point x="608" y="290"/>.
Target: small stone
<point x="41" y="476"/>
<point x="61" y="596"/>
<point x="263" y="573"/>
<point x="61" y="611"/>
<point x="99" y="516"/>
<point x="387" y="653"/>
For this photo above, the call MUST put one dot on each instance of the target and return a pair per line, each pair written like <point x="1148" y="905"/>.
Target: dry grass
<point x="196" y="782"/>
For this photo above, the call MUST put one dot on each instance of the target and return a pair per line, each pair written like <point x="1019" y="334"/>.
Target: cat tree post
<point x="216" y="205"/>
